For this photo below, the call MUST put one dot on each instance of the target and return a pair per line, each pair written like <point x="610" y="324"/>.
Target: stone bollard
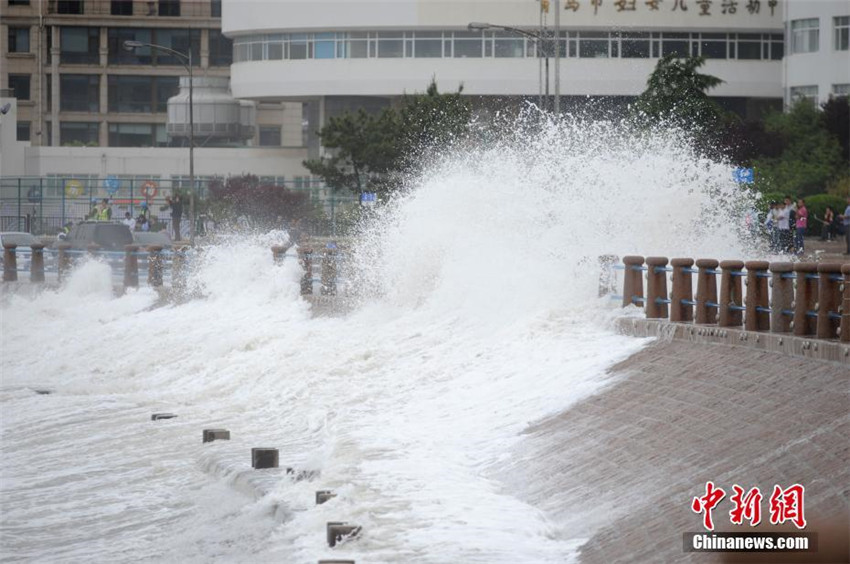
<point x="829" y="300"/>
<point x="656" y="288"/>
<point x="633" y="281"/>
<point x="155" y="266"/>
<point x="210" y="435"/>
<point x="844" y="335"/>
<point x="179" y="270"/>
<point x="781" y="303"/>
<point x="806" y="298"/>
<point x="161" y="416"/>
<point x="682" y="290"/>
<point x="10" y="263"/>
<point x="340" y="531"/>
<point x="329" y="271"/>
<point x="63" y="260"/>
<point x="324" y="495"/>
<point x="279" y="253"/>
<point x="607" y="275"/>
<point x="264" y="458"/>
<point x="706" y="291"/>
<point x="731" y="294"/>
<point x="37" y="263"/>
<point x="131" y="266"/>
<point x="305" y="257"/>
<point x="758" y="297"/>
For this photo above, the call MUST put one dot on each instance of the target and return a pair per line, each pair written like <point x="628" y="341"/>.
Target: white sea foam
<point x="479" y="315"/>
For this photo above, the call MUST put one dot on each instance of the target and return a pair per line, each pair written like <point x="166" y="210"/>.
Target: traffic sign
<point x="368" y="198"/>
<point x="743" y="175"/>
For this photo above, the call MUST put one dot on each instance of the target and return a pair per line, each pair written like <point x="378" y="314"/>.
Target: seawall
<point x="622" y="467"/>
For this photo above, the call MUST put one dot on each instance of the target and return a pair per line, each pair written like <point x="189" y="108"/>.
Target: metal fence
<point x="42" y="205"/>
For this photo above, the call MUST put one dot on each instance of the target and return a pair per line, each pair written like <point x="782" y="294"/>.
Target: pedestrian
<point x="102" y="211"/>
<point x="176" y="206"/>
<point x="845" y="217"/>
<point x="829" y="221"/>
<point x="801" y="222"/>
<point x="783" y="228"/>
<point x="129" y="221"/>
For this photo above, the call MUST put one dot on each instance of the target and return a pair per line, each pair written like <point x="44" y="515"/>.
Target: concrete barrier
<point x="706" y="308"/>
<point x="338" y="532"/>
<point x="162" y="416"/>
<point x="210" y="435"/>
<point x="782" y="301"/>
<point x="806" y="298"/>
<point x="63" y="260"/>
<point x="829" y="300"/>
<point x="324" y="495"/>
<point x="131" y="266"/>
<point x="37" y="264"/>
<point x="682" y="296"/>
<point x="155" y="266"/>
<point x="731" y="294"/>
<point x="656" y="288"/>
<point x="262" y="457"/>
<point x="10" y="263"/>
<point x="757" y="316"/>
<point x="633" y="281"/>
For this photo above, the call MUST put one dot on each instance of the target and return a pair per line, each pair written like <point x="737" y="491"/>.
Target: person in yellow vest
<point x="104" y="212"/>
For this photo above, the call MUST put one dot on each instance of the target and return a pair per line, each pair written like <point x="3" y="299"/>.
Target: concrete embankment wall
<point x="622" y="467"/>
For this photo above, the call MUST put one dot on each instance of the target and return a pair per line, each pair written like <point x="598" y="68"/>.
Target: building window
<point x="69" y="6"/>
<point x="713" y="45"/>
<point x="467" y="44"/>
<point x="20" y="83"/>
<point x="19" y="40"/>
<point x="270" y="136"/>
<point x="79" y="45"/>
<point x="141" y="94"/>
<point x="23" y="133"/>
<point x="79" y="93"/>
<point x="75" y="133"/>
<point x="805" y="36"/>
<point x="841" y="33"/>
<point x="181" y="40"/>
<point x="634" y="46"/>
<point x="221" y="49"/>
<point x="137" y="135"/>
<point x="19" y="2"/>
<point x="593" y="45"/>
<point x="215" y="8"/>
<point x="841" y="89"/>
<point x="122" y="8"/>
<point x="809" y="93"/>
<point x="169" y="8"/>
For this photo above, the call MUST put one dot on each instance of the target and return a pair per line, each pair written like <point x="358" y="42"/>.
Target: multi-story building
<point x="77" y="85"/>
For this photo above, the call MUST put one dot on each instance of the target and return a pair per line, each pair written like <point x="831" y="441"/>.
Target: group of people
<point x="786" y="223"/>
<point x="103" y="212"/>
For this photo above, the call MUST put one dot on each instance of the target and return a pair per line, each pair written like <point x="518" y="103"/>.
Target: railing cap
<point x="731" y="264"/>
<point x="806" y="267"/>
<point x="633" y="259"/>
<point x="131" y="248"/>
<point x="682" y="262"/>
<point x="833" y="267"/>
<point x="757" y="265"/>
<point x="64" y="246"/>
<point x="781" y="266"/>
<point x="846" y="268"/>
<point x="656" y="261"/>
<point x="10" y="246"/>
<point x="154" y="248"/>
<point x="707" y="263"/>
<point x="37" y="246"/>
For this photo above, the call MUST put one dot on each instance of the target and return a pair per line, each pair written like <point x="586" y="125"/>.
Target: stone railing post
<point x="706" y="291"/>
<point x="806" y="298"/>
<point x="607" y="276"/>
<point x="633" y="281"/>
<point x="63" y="260"/>
<point x="731" y="291"/>
<point x="656" y="287"/>
<point x="155" y="266"/>
<point x="758" y="297"/>
<point x="829" y="299"/>
<point x="93" y="249"/>
<point x="37" y="263"/>
<point x="781" y="304"/>
<point x="329" y="272"/>
<point x="682" y="290"/>
<point x="179" y="268"/>
<point x="305" y="257"/>
<point x="279" y="252"/>
<point x="845" y="308"/>
<point x="131" y="266"/>
<point x="10" y="263"/>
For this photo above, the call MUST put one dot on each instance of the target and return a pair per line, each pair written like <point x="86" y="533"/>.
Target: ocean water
<point x="478" y="315"/>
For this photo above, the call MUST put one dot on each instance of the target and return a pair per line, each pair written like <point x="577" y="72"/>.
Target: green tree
<point x="811" y="157"/>
<point x="375" y="152"/>
<point x="677" y="93"/>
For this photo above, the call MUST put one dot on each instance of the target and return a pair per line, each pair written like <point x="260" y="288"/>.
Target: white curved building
<point x="326" y="49"/>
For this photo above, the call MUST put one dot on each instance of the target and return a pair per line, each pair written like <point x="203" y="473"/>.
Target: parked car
<point x="108" y="235"/>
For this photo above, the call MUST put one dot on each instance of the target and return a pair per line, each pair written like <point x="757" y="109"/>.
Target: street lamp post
<point x="540" y="41"/>
<point x="187" y="64"/>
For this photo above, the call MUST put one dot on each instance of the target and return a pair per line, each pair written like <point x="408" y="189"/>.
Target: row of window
<point x="805" y="34"/>
<point x="81" y="45"/>
<point x="811" y="92"/>
<point x="168" y="8"/>
<point x="81" y="92"/>
<point x="478" y="44"/>
<point x="128" y="134"/>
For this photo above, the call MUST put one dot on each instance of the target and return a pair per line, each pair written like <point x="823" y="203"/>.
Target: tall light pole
<point x="539" y="41"/>
<point x="557" y="57"/>
<point x="186" y="61"/>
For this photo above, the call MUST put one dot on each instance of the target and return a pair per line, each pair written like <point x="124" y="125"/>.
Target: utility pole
<point x="557" y="57"/>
